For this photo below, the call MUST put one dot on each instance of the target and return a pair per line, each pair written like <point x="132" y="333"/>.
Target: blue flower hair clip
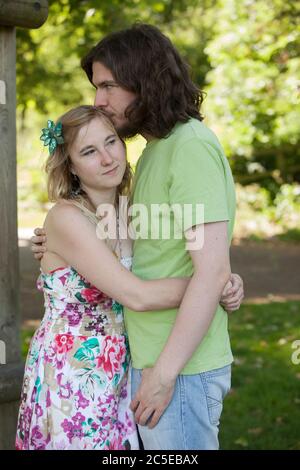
<point x="52" y="135"/>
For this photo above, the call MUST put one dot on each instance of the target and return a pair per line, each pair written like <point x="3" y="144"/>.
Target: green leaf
<point x="84" y="354"/>
<point x="91" y="343"/>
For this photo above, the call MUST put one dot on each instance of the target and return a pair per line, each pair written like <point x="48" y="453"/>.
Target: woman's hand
<point x="233" y="293"/>
<point x="38" y="243"/>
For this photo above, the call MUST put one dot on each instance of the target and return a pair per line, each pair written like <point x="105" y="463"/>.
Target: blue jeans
<point x="192" y="418"/>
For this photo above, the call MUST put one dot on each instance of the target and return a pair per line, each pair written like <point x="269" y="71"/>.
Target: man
<point x="181" y="358"/>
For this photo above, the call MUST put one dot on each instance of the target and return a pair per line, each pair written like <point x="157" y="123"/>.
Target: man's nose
<point x="100" y="99"/>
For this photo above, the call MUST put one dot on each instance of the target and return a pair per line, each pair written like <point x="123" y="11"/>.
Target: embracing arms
<point x="71" y="236"/>
<point x="231" y="298"/>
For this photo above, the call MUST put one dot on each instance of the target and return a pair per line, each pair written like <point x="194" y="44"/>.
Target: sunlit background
<point x="245" y="55"/>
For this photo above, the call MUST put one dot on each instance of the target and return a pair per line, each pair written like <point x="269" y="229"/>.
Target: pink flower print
<point x="124" y="389"/>
<point x="38" y="410"/>
<point x="65" y="389"/>
<point x="81" y="401"/>
<point x="73" y="313"/>
<point x="64" y="343"/>
<point x="40" y="283"/>
<point x="37" y="440"/>
<point x="78" y="419"/>
<point x="116" y="443"/>
<point x="94" y="426"/>
<point x="112" y="356"/>
<point x="74" y="430"/>
<point x="19" y="443"/>
<point x="92" y="295"/>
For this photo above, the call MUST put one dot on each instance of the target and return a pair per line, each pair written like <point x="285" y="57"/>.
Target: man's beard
<point x="128" y="130"/>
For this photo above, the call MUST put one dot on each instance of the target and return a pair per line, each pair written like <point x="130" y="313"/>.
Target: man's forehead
<point x="101" y="73"/>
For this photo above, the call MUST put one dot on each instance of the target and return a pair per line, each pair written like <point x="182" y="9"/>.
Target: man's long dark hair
<point x="145" y="62"/>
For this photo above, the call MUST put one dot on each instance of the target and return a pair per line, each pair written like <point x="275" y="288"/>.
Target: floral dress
<point x="76" y="390"/>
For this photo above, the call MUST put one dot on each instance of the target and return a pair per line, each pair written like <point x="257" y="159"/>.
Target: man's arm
<point x="196" y="312"/>
<point x="231" y="297"/>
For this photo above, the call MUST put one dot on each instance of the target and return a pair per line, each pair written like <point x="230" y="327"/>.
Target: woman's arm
<point x="231" y="298"/>
<point x="72" y="237"/>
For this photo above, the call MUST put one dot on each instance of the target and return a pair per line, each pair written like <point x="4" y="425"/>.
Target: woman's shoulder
<point x="62" y="212"/>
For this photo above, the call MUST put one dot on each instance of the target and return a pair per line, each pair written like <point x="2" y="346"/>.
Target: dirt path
<point x="271" y="271"/>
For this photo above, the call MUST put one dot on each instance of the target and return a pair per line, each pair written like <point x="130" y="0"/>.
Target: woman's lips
<point x="111" y="172"/>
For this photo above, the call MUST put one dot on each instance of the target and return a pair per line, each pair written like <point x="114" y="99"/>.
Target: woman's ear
<point x="70" y="166"/>
<point x="72" y="170"/>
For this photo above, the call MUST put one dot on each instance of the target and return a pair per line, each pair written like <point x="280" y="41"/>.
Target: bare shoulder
<point x="63" y="214"/>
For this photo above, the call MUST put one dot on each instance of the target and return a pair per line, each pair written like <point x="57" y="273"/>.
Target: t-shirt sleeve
<point x="198" y="178"/>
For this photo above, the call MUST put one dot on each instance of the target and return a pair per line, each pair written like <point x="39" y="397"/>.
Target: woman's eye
<point x="112" y="141"/>
<point x="89" y="152"/>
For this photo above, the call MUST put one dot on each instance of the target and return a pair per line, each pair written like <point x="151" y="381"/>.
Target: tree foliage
<point x="254" y="86"/>
<point x="48" y="59"/>
<point x="245" y="53"/>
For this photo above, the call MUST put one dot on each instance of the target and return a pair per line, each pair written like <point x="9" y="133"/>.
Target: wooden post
<point x="23" y="13"/>
<point x="30" y="14"/>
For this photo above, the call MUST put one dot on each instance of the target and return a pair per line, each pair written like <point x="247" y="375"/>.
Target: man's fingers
<point x="39" y="231"/>
<point x="155" y="418"/>
<point x="38" y="239"/>
<point x="138" y="413"/>
<point x="134" y="404"/>
<point x="145" y="416"/>
<point x="38" y="249"/>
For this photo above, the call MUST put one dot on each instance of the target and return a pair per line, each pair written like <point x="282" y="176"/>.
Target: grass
<point x="292" y="235"/>
<point x="262" y="410"/>
<point x="289" y="236"/>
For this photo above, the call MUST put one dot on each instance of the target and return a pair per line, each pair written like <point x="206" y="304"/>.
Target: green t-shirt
<point x="187" y="167"/>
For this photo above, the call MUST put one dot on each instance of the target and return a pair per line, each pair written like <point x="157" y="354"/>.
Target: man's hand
<point x="38" y="243"/>
<point x="152" y="398"/>
<point x="233" y="293"/>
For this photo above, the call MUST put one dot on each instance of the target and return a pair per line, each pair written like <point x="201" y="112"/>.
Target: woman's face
<point x="98" y="156"/>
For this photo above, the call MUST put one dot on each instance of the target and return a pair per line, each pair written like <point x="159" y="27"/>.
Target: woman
<point x="76" y="391"/>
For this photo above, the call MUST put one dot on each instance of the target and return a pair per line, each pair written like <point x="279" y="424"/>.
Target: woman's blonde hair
<point x="62" y="184"/>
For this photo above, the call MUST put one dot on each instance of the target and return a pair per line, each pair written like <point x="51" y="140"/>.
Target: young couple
<point x="80" y="391"/>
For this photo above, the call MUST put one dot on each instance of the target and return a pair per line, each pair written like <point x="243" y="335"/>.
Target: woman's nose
<point x="106" y="158"/>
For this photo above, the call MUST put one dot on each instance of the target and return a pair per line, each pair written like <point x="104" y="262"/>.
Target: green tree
<point x="48" y="59"/>
<point x="253" y="87"/>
